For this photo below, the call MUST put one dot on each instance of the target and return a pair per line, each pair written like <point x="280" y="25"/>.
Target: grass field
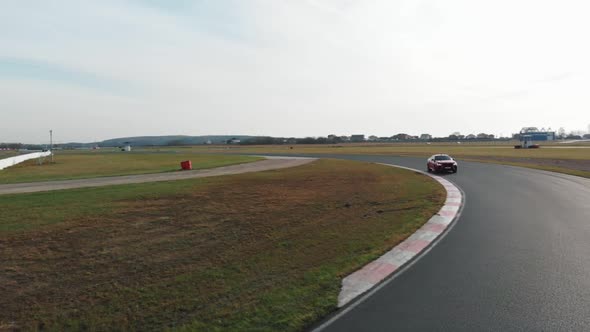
<point x="7" y="153"/>
<point x="260" y="251"/>
<point x="565" y="158"/>
<point x="462" y="150"/>
<point x="68" y="165"/>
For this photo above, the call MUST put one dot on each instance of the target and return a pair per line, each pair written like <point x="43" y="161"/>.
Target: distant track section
<point x="265" y="165"/>
<point x="7" y="162"/>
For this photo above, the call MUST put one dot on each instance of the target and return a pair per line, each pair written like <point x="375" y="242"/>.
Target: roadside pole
<point x="51" y="144"/>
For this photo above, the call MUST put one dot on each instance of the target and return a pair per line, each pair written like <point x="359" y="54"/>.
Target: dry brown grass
<point x="261" y="251"/>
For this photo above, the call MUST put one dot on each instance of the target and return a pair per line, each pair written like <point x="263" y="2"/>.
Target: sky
<point x="93" y="70"/>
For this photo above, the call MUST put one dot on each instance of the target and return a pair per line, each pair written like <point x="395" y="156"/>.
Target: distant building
<point x="534" y="134"/>
<point x="426" y="137"/>
<point x="357" y="138"/>
<point x="402" y="137"/>
<point x="233" y="141"/>
<point x="470" y="136"/>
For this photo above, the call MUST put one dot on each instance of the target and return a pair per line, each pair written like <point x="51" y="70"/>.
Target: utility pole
<point x="51" y="144"/>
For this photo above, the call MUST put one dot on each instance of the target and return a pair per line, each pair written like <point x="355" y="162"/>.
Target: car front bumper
<point x="445" y="167"/>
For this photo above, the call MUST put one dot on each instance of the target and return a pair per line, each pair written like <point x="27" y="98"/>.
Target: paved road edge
<point x="394" y="260"/>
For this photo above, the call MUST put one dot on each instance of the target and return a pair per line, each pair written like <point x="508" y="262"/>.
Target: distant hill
<point x="170" y="140"/>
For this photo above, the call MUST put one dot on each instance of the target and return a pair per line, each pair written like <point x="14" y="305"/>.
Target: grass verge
<point x="6" y="154"/>
<point x="262" y="251"/>
<point x="97" y="164"/>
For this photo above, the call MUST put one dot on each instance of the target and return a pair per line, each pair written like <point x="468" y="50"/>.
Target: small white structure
<point x="126" y="148"/>
<point x="526" y="142"/>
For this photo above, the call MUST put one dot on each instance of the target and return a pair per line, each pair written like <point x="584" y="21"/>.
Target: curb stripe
<point x="375" y="272"/>
<point x="453" y="203"/>
<point x="437" y="228"/>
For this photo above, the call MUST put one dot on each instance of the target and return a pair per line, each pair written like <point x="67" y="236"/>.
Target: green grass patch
<point x="97" y="164"/>
<point x="261" y="251"/>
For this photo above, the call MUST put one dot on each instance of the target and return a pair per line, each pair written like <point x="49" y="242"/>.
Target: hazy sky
<point x="92" y="70"/>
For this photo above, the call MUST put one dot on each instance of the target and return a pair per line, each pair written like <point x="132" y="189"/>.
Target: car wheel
<point x="455" y="170"/>
<point x="428" y="169"/>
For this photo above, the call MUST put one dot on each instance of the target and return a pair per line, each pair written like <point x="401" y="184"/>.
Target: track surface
<point x="257" y="166"/>
<point x="518" y="259"/>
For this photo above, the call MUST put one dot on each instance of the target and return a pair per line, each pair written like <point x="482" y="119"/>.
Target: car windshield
<point x="442" y="158"/>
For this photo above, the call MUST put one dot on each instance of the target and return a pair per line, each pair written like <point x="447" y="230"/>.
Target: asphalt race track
<point x="518" y="259"/>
